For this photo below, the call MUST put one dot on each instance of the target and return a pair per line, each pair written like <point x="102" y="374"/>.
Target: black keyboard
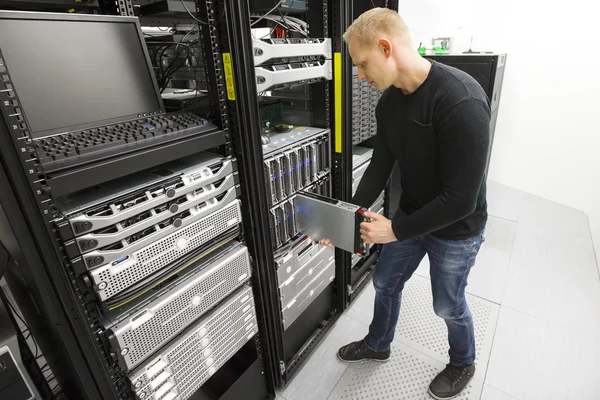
<point x="76" y="148"/>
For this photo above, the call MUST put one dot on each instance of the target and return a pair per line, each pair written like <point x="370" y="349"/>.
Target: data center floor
<point x="535" y="297"/>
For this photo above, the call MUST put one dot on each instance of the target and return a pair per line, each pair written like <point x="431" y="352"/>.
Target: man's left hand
<point x="378" y="231"/>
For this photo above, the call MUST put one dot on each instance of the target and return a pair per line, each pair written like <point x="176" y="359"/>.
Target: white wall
<point x="548" y="132"/>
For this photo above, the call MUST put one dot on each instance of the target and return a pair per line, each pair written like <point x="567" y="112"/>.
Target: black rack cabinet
<point x="54" y="298"/>
<point x="285" y="349"/>
<point x="56" y="302"/>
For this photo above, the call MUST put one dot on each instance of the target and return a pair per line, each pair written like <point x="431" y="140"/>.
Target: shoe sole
<point x="441" y="398"/>
<point x="363" y="359"/>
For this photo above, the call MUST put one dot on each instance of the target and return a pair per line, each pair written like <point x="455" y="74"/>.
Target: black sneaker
<point x="358" y="351"/>
<point x="451" y="381"/>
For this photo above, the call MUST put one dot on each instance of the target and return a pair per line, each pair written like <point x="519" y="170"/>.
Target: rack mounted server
<point x="364" y="101"/>
<point x="304" y="269"/>
<point x="282" y="62"/>
<point x="361" y="158"/>
<point x="282" y="51"/>
<point x="141" y="329"/>
<point x="299" y="73"/>
<point x="142" y="225"/>
<point x="159" y="251"/>
<point x="188" y="362"/>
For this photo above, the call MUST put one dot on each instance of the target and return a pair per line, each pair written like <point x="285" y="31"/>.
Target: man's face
<point x="374" y="65"/>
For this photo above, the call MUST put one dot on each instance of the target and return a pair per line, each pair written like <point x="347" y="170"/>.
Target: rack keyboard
<point x="76" y="148"/>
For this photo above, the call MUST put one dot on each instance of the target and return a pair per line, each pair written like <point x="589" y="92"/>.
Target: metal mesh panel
<point x="186" y="364"/>
<point x="163" y="252"/>
<point x="500" y="234"/>
<point x="169" y="314"/>
<point x="419" y="327"/>
<point x="406" y="376"/>
<point x="364" y="102"/>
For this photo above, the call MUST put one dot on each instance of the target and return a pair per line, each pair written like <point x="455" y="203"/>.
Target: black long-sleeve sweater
<point x="439" y="135"/>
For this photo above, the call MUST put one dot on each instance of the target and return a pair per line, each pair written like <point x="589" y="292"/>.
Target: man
<point x="433" y="120"/>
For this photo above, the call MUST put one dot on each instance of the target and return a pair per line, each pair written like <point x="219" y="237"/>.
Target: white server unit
<point x="179" y="369"/>
<point x="159" y="249"/>
<point x="300" y="265"/>
<point x="278" y="51"/>
<point x="142" y="329"/>
<point x="289" y="62"/>
<point x="304" y="269"/>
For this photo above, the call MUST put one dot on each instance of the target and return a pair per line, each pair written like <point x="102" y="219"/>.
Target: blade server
<point x="283" y="217"/>
<point x="294" y="161"/>
<point x="297" y="161"/>
<point x="322" y="217"/>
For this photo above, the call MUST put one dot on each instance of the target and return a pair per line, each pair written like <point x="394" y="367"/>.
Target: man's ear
<point x="386" y="46"/>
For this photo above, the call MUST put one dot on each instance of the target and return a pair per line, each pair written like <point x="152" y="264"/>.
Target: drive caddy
<point x="321" y="217"/>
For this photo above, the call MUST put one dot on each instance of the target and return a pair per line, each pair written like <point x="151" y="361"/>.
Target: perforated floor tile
<point x="500" y="234"/>
<point x="405" y="377"/>
<point x="420" y="328"/>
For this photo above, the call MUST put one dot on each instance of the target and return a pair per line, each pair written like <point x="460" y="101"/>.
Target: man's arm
<point x="463" y="142"/>
<point x="376" y="175"/>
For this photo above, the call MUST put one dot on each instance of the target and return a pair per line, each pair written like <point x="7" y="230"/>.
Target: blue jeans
<point x="450" y="261"/>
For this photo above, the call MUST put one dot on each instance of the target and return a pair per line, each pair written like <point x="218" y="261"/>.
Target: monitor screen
<point x="72" y="74"/>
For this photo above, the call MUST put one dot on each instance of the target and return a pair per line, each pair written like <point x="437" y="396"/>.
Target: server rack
<point x="271" y="198"/>
<point x="232" y="89"/>
<point x="51" y="255"/>
<point x="356" y="129"/>
<point x="220" y="60"/>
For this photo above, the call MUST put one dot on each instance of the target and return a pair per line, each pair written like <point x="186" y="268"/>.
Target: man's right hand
<point x="326" y="242"/>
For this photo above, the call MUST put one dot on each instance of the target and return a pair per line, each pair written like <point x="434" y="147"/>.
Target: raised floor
<point x="535" y="297"/>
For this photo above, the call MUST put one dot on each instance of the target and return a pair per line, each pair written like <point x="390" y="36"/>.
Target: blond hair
<point x="377" y="21"/>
